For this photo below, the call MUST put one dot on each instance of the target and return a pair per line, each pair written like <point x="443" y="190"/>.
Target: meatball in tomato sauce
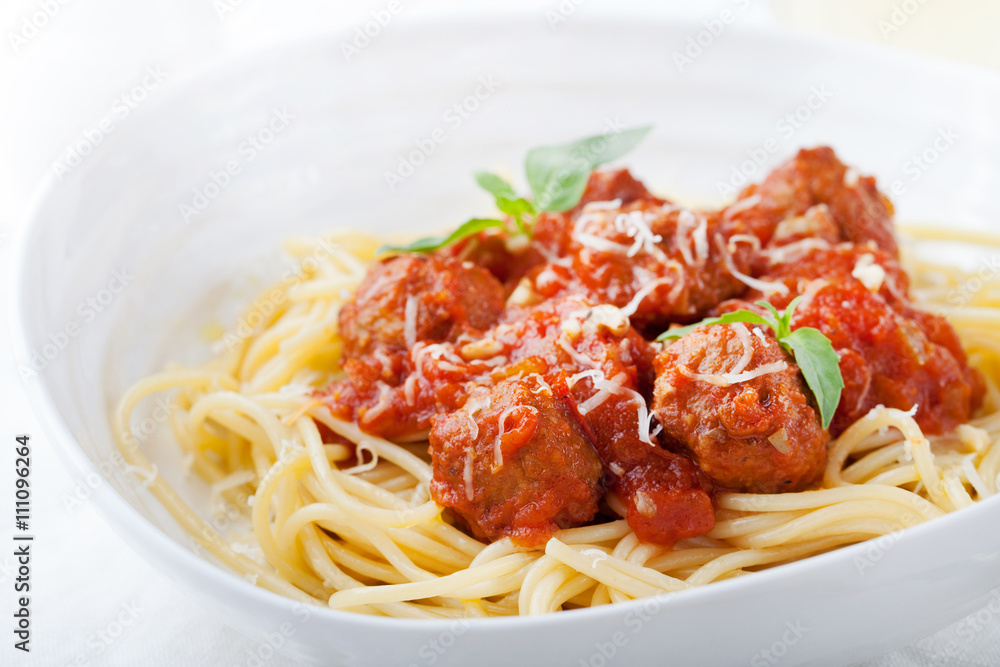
<point x="734" y="401"/>
<point x="900" y="359"/>
<point x="411" y="298"/>
<point x="516" y="461"/>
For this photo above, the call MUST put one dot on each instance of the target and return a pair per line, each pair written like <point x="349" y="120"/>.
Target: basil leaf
<point x="820" y="367"/>
<point x="432" y="243"/>
<point x="786" y="317"/>
<point x="728" y="318"/>
<point x="495" y="185"/>
<point x="775" y="322"/>
<point x="517" y="209"/>
<point x="558" y="174"/>
<point x="506" y="199"/>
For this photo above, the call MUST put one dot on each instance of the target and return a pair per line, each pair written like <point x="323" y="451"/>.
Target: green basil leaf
<point x="786" y="316"/>
<point x="517" y="209"/>
<point x="506" y="199"/>
<point x="820" y="367"/>
<point x="432" y="243"/>
<point x="558" y="174"/>
<point x="495" y="185"/>
<point x="728" y="318"/>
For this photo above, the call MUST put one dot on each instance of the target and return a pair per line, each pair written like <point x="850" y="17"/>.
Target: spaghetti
<point x="345" y="518"/>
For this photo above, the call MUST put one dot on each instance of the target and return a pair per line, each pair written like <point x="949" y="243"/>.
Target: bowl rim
<point x="230" y="589"/>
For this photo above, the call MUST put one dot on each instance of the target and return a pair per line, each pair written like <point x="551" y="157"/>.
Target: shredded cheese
<point x="632" y="306"/>
<point x="470" y="493"/>
<point x="581" y="359"/>
<point x="868" y="272"/>
<point x="606" y="317"/>
<point x="779" y="440"/>
<point x="543" y="386"/>
<point x="498" y="440"/>
<point x="476" y="403"/>
<point x="602" y="205"/>
<point x="635" y="226"/>
<point x="616" y="385"/>
<point x="794" y="251"/>
<point x="744" y="335"/>
<point x="753" y="283"/>
<point x="381" y="406"/>
<point x="728" y="379"/>
<point x="410" y="312"/>
<point x="742" y="205"/>
<point x="644" y="504"/>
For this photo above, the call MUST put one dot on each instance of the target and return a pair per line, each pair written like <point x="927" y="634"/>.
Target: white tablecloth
<point x="94" y="601"/>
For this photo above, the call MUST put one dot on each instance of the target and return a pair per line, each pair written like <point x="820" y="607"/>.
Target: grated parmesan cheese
<point x="410" y="312"/>
<point x="744" y="335"/>
<point x="868" y="272"/>
<point x="742" y="205"/>
<point x="753" y="283"/>
<point x="470" y="493"/>
<point x="728" y="379"/>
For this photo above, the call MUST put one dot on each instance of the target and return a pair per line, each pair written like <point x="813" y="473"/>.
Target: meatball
<point x="516" y="462"/>
<point x="897" y="357"/>
<point x="798" y="269"/>
<point x="816" y="176"/>
<point x="410" y="298"/>
<point x="749" y="432"/>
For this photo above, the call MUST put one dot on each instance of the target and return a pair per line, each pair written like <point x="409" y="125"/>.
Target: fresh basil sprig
<point x="557" y="176"/>
<point x="811" y="350"/>
<point x="431" y="243"/>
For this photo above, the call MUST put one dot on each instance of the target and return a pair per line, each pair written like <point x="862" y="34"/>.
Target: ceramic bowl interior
<point x="179" y="216"/>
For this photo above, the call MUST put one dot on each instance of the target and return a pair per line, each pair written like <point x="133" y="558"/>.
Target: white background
<point x="87" y="585"/>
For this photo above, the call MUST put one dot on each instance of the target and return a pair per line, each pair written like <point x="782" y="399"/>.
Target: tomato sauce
<point x="533" y="371"/>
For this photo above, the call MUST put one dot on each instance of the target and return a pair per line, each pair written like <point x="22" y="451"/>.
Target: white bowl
<point x="120" y="211"/>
